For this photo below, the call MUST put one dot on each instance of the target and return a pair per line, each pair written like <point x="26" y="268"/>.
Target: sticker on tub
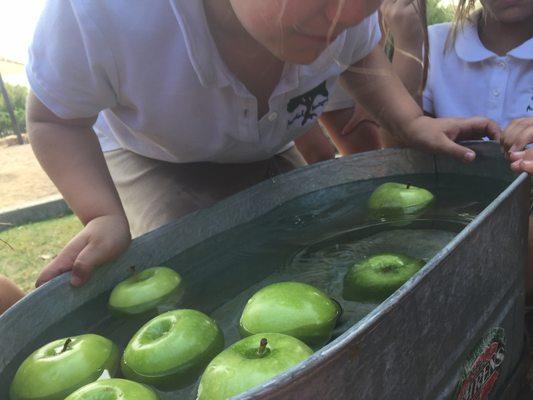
<point x="483" y="367"/>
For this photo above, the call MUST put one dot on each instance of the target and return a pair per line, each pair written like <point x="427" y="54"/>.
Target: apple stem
<point x="65" y="346"/>
<point x="408" y="186"/>
<point x="262" y="347"/>
<point x="134" y="273"/>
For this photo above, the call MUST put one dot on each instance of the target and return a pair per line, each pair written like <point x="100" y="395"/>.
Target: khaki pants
<point x="155" y="192"/>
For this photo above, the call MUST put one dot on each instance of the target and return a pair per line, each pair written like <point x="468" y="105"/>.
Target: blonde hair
<point x="464" y="13"/>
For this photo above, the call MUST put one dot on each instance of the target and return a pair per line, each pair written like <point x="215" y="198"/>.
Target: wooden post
<point x="10" y="111"/>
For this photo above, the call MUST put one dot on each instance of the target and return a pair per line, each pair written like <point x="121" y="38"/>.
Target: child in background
<point x="195" y="100"/>
<point x="482" y="64"/>
<point x="354" y="130"/>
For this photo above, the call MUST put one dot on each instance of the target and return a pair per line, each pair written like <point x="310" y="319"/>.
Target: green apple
<point x="377" y="277"/>
<point x="114" y="389"/>
<point x="146" y="290"/>
<point x="59" y="368"/>
<point x="171" y="350"/>
<point x="399" y="200"/>
<point x="250" y="362"/>
<point x="292" y="308"/>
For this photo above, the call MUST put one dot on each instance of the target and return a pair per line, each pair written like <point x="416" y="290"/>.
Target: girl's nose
<point x="345" y="12"/>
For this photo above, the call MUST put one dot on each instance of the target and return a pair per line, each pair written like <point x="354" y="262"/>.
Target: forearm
<point x="407" y="64"/>
<point x="71" y="156"/>
<point x="374" y="84"/>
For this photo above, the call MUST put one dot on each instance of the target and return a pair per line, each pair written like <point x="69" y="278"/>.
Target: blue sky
<point x="17" y="22"/>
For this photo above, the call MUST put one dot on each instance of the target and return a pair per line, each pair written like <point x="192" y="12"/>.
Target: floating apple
<point x="377" y="277"/>
<point x="399" y="200"/>
<point x="59" y="368"/>
<point x="250" y="362"/>
<point x="171" y="350"/>
<point x="114" y="389"/>
<point x="146" y="290"/>
<point x="291" y="308"/>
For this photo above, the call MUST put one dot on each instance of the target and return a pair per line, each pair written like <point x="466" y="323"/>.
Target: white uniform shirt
<point x="469" y="80"/>
<point x="152" y="72"/>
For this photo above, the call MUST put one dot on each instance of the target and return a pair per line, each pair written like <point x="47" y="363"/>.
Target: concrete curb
<point x="46" y="208"/>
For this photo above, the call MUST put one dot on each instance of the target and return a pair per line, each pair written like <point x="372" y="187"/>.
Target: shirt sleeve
<point x="364" y="38"/>
<point x="70" y="68"/>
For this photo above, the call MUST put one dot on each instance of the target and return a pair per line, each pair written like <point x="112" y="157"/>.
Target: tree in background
<point x="437" y="13"/>
<point x="17" y="95"/>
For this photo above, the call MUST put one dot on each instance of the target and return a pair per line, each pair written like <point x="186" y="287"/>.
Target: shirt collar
<point x="524" y="51"/>
<point x="468" y="45"/>
<point x="201" y="47"/>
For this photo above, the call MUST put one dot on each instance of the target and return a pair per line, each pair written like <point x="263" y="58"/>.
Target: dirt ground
<point x="21" y="178"/>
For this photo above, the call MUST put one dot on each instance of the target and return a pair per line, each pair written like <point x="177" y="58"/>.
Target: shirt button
<point x="495" y="92"/>
<point x="502" y="64"/>
<point x="272" y="116"/>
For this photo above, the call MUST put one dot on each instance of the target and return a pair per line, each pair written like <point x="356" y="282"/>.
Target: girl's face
<point x="509" y="11"/>
<point x="299" y="30"/>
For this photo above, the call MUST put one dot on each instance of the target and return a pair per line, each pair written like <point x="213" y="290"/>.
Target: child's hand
<point x="522" y="161"/>
<point x="438" y="135"/>
<point x="517" y="135"/>
<point x="102" y="240"/>
<point x="359" y="118"/>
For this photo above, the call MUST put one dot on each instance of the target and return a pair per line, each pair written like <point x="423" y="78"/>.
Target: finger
<point x="526" y="166"/>
<point x="93" y="255"/>
<point x="524" y="136"/>
<point x="64" y="261"/>
<point x="509" y="135"/>
<point x="515" y="166"/>
<point x="477" y="127"/>
<point x="349" y="127"/>
<point x="516" y="155"/>
<point x="448" y="147"/>
<point x="522" y="161"/>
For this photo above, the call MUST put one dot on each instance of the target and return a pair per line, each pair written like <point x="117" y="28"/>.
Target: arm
<point x="374" y="85"/>
<point x="403" y="21"/>
<point x="352" y="130"/>
<point x="69" y="152"/>
<point x="9" y="294"/>
<point x="315" y="146"/>
<point x="361" y="132"/>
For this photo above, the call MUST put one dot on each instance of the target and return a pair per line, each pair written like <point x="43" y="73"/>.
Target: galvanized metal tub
<point x="412" y="346"/>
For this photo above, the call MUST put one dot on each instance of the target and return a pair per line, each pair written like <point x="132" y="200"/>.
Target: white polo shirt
<point x="470" y="80"/>
<point x="152" y="72"/>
